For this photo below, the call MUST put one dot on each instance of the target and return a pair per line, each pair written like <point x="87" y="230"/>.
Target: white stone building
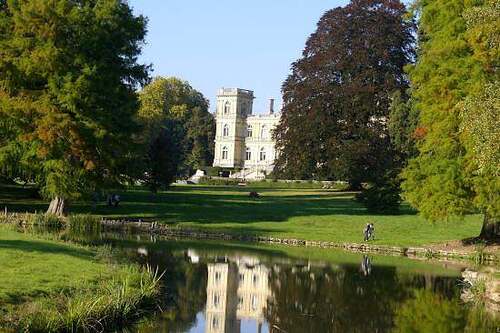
<point x="243" y="141"/>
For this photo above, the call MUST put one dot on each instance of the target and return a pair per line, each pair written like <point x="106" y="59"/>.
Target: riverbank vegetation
<point x="48" y="285"/>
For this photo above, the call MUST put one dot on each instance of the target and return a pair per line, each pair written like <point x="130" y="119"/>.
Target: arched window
<point x="248" y="154"/>
<point x="249" y="131"/>
<point x="225" y="153"/>
<point x="262" y="155"/>
<point x="225" y="130"/>
<point x="227" y="107"/>
<point x="263" y="132"/>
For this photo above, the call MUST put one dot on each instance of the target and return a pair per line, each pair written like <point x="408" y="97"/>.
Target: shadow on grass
<point x="218" y="205"/>
<point x="43" y="247"/>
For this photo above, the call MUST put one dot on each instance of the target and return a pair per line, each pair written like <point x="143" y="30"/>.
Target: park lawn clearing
<point x="309" y="214"/>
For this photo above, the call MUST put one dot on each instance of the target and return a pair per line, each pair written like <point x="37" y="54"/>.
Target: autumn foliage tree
<point x="336" y="100"/>
<point x="68" y="74"/>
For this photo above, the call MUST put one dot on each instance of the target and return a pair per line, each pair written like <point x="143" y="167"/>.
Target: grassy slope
<point x="33" y="267"/>
<point x="291" y="213"/>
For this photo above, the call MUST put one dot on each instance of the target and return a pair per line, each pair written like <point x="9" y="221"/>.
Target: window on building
<point x="216" y="300"/>
<point x="248" y="154"/>
<point x="225" y="153"/>
<point x="263" y="132"/>
<point x="255" y="279"/>
<point x="249" y="131"/>
<point x="262" y="155"/>
<point x="217" y="277"/>
<point x="255" y="302"/>
<point x="225" y="130"/>
<point x="215" y="323"/>
<point x="227" y="107"/>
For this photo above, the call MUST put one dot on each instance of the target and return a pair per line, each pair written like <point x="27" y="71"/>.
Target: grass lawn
<point x="33" y="267"/>
<point x="310" y="214"/>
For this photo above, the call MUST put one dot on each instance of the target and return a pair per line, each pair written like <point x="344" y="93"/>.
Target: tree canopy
<point x="336" y="100"/>
<point x="179" y="130"/>
<point x="68" y="74"/>
<point x="453" y="86"/>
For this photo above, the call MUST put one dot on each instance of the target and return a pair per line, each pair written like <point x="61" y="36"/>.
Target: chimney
<point x="271" y="105"/>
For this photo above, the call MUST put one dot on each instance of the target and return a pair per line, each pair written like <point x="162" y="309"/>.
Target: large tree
<point x="68" y="74"/>
<point x="453" y="84"/>
<point x="179" y="130"/>
<point x="336" y="100"/>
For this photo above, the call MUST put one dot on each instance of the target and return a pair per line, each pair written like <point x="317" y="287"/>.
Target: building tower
<point x="233" y="107"/>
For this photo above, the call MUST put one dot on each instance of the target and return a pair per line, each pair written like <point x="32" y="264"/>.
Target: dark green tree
<point x="68" y="74"/>
<point x="336" y="101"/>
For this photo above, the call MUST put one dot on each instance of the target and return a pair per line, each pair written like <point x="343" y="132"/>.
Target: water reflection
<point x="236" y="291"/>
<point x="218" y="287"/>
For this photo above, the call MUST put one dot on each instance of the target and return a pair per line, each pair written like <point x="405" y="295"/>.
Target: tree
<point x="68" y="73"/>
<point x="402" y="123"/>
<point x="336" y="100"/>
<point x="454" y="172"/>
<point x="179" y="130"/>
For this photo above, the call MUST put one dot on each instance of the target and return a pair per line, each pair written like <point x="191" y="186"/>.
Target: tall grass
<point x="37" y="220"/>
<point x="45" y="220"/>
<point x="108" y="305"/>
<point x="84" y="224"/>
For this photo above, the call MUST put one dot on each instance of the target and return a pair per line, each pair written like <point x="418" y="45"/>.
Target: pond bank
<point x="49" y="284"/>
<point x="478" y="255"/>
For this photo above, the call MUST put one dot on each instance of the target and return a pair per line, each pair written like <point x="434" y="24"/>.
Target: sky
<point x="229" y="43"/>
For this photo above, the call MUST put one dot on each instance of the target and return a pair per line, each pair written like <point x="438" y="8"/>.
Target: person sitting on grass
<point x="116" y="200"/>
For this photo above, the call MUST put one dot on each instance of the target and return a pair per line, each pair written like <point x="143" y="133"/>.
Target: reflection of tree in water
<point x="344" y="300"/>
<point x="432" y="312"/>
<point x="184" y="286"/>
<point x="326" y="300"/>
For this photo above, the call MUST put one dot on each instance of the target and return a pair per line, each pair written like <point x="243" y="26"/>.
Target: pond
<point x="215" y="286"/>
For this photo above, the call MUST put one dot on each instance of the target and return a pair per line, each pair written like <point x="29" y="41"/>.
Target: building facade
<point x="243" y="141"/>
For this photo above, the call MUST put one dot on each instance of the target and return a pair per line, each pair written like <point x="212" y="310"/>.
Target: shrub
<point x="218" y="181"/>
<point x="381" y="198"/>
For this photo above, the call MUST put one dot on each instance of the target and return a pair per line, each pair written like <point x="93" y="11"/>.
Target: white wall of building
<point x="234" y="111"/>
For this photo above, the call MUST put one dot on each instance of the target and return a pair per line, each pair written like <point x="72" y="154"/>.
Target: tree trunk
<point x="491" y="229"/>
<point x="58" y="206"/>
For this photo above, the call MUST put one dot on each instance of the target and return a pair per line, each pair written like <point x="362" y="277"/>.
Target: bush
<point x="213" y="171"/>
<point x="218" y="181"/>
<point x="381" y="198"/>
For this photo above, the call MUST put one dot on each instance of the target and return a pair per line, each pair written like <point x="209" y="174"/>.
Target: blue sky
<point x="221" y="43"/>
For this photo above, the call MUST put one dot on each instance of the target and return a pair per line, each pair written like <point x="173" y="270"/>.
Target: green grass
<point x="33" y="267"/>
<point x="48" y="285"/>
<point x="311" y="214"/>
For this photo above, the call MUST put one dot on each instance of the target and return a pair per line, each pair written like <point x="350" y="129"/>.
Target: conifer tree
<point x="68" y="74"/>
<point x="456" y="65"/>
